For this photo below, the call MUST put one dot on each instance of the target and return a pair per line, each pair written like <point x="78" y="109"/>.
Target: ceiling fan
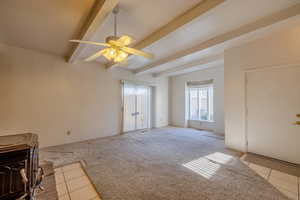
<point x="117" y="49"/>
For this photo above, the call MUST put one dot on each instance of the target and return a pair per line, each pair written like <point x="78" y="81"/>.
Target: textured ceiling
<point x="43" y="25"/>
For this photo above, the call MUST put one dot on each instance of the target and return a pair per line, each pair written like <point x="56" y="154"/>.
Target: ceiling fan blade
<point x="90" y="42"/>
<point x="125" y="40"/>
<point x="137" y="52"/>
<point x="121" y="64"/>
<point x="96" y="55"/>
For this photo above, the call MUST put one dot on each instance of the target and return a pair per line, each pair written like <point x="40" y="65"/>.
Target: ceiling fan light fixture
<point x="121" y="56"/>
<point x="117" y="47"/>
<point x="115" y="55"/>
<point x="112" y="52"/>
<point x="107" y="53"/>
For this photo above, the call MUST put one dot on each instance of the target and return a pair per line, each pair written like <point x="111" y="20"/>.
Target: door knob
<point x="298" y="115"/>
<point x="136" y="113"/>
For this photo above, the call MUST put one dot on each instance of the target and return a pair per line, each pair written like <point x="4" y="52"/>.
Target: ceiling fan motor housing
<point x="109" y="38"/>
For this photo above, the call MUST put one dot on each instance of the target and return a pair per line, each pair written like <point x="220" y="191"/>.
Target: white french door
<point x="136" y="102"/>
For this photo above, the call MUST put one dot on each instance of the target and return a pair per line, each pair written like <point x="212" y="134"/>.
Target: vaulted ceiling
<point x="43" y="25"/>
<point x="199" y="37"/>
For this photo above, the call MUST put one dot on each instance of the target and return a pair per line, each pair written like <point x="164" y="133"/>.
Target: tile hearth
<point x="73" y="184"/>
<point x="287" y="184"/>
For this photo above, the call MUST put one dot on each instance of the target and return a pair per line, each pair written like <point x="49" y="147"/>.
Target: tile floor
<point x="73" y="184"/>
<point x="287" y="184"/>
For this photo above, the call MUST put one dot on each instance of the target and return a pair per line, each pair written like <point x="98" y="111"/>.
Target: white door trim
<point x="150" y="102"/>
<point x="254" y="69"/>
<point x="267" y="67"/>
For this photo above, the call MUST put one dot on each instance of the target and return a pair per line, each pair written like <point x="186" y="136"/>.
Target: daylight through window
<point x="201" y="102"/>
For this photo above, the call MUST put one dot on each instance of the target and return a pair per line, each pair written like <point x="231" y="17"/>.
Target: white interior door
<point x="273" y="101"/>
<point x="136" y="107"/>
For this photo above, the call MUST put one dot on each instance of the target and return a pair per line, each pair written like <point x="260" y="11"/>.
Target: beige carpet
<point x="165" y="164"/>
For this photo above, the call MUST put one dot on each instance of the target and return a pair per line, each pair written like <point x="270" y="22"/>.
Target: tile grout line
<point x="269" y="176"/>
<point x="90" y="182"/>
<point x="77" y="177"/>
<point x="65" y="181"/>
<point x="298" y="188"/>
<point x="298" y="183"/>
<point x="84" y="175"/>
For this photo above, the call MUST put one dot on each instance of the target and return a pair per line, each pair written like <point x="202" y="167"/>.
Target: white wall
<point x="162" y="102"/>
<point x="41" y="93"/>
<point x="178" y="99"/>
<point x="279" y="48"/>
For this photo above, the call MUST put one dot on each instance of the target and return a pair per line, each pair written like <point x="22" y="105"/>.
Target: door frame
<point x="151" y="104"/>
<point x="255" y="69"/>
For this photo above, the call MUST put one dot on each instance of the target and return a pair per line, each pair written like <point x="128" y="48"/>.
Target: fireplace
<point x="20" y="174"/>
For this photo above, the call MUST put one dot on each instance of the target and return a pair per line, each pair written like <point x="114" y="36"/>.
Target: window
<point x="201" y="102"/>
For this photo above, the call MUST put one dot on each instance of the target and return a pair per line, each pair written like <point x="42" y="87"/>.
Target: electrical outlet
<point x="68" y="132"/>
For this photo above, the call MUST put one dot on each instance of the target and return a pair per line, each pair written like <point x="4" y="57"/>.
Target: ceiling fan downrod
<point x="115" y="12"/>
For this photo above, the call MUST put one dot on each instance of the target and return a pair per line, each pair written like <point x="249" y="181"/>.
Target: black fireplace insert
<point x="20" y="174"/>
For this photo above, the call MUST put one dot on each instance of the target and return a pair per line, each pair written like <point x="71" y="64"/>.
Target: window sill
<point x="197" y="120"/>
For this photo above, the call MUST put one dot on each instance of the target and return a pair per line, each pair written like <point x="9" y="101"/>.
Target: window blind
<point x="199" y="83"/>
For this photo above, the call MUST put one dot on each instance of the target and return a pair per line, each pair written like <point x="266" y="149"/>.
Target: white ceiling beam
<point x="192" y="66"/>
<point x="198" y="10"/>
<point x="220" y="39"/>
<point x="211" y="65"/>
<point x="100" y="11"/>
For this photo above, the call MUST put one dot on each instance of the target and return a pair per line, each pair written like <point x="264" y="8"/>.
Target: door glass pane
<point x="129" y="122"/>
<point x="194" y="103"/>
<point x="142" y="117"/>
<point x="136" y="107"/>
